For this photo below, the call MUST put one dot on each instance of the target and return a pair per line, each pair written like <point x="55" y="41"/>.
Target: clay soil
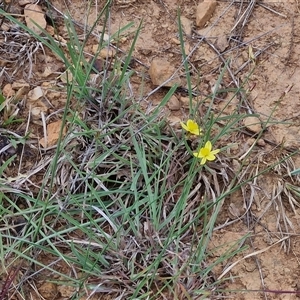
<point x="263" y="53"/>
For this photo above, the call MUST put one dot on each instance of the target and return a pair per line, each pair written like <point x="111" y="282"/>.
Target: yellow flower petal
<point x="210" y="157"/>
<point x="208" y="146"/>
<point x="215" y="151"/>
<point x="184" y="126"/>
<point x="195" y="131"/>
<point x="203" y="161"/>
<point x="191" y="126"/>
<point x="197" y="154"/>
<point x="206" y="153"/>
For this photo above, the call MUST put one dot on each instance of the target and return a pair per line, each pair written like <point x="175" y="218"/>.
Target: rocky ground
<point x="258" y="45"/>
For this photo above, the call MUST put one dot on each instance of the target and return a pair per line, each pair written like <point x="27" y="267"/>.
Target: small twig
<point x="256" y="54"/>
<point x="8" y="282"/>
<point x="242" y="21"/>
<point x="249" y="255"/>
<point x="291" y="46"/>
<point x="235" y="81"/>
<point x="271" y="10"/>
<point x="260" y="271"/>
<point x="6" y="8"/>
<point x="81" y="26"/>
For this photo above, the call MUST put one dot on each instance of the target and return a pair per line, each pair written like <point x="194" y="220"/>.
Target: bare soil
<point x="264" y="54"/>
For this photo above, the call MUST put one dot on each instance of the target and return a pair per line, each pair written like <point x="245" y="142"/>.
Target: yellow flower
<point x="192" y="127"/>
<point x="206" y="154"/>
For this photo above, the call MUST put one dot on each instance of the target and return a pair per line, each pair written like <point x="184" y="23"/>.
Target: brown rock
<point x="66" y="291"/>
<point x="185" y="102"/>
<point x="234" y="210"/>
<point x="174" y="121"/>
<point x="250" y="141"/>
<point x="204" y="12"/>
<point x="98" y="64"/>
<point x="50" y="30"/>
<point x="145" y="51"/>
<point x="175" y="41"/>
<point x="8" y="91"/>
<point x="236" y="165"/>
<point x="66" y="77"/>
<point x="48" y="290"/>
<point x="21" y="87"/>
<point x="21" y="92"/>
<point x="253" y="124"/>
<point x="36" y="93"/>
<point x="222" y="43"/>
<point x="36" y="103"/>
<point x="24" y="2"/>
<point x="160" y="71"/>
<point x="36" y="112"/>
<point x="19" y="84"/>
<point x="261" y="143"/>
<point x="105" y="52"/>
<point x="34" y="12"/>
<point x="53" y="132"/>
<point x="173" y="103"/>
<point x="186" y="25"/>
<point x="51" y="95"/>
<point x="187" y="48"/>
